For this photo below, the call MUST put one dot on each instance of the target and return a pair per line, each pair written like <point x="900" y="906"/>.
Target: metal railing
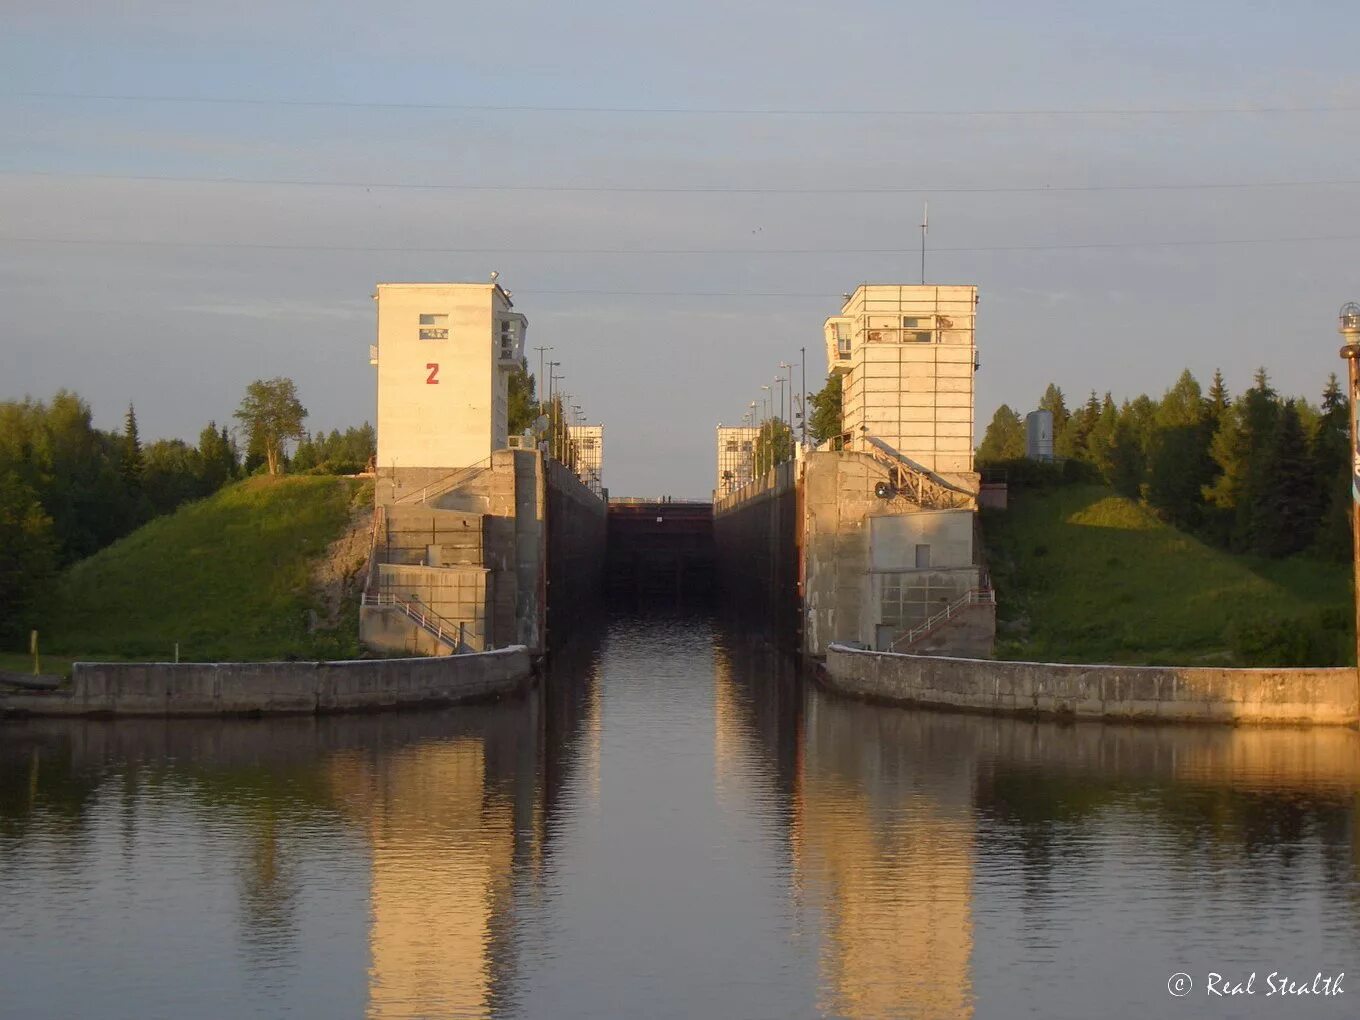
<point x="984" y="596"/>
<point x="637" y="500"/>
<point x="377" y="533"/>
<point x="444" y="631"/>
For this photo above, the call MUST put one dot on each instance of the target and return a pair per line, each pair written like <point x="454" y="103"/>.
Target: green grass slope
<point x="1083" y="575"/>
<point x="228" y="577"/>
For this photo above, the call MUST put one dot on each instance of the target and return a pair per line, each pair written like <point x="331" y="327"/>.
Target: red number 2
<point x="432" y="378"/>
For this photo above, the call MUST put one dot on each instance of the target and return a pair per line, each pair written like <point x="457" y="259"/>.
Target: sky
<point x="576" y="149"/>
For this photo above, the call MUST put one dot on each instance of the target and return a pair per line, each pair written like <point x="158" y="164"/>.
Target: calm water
<point x="674" y="827"/>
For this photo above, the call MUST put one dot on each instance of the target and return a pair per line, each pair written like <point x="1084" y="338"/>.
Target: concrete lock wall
<point x="1167" y="694"/>
<point x="755" y="534"/>
<point x="190" y="688"/>
<point x="458" y="596"/>
<point x="861" y="579"/>
<point x="490" y="517"/>
<point x="578" y="522"/>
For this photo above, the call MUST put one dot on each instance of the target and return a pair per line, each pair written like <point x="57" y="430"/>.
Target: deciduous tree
<point x="826" y="418"/>
<point x="272" y="414"/>
<point x="1004" y="439"/>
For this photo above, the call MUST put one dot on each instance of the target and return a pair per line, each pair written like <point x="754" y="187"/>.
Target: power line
<point x="1173" y="111"/>
<point x="687" y="190"/>
<point x="420" y="250"/>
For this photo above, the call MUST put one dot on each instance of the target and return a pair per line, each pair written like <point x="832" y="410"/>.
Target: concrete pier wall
<point x="269" y="688"/>
<point x="755" y="534"/>
<point x="472" y="545"/>
<point x="1152" y="693"/>
<point x="576" y="535"/>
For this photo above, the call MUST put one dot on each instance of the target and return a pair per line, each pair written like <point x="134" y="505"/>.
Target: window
<point x="910" y="322"/>
<point x="507" y="340"/>
<point x="842" y="341"/>
<point x="746" y="446"/>
<point x="434" y="326"/>
<point x="920" y="337"/>
<point x="731" y="446"/>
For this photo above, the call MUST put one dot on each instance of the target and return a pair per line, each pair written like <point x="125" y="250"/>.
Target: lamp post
<point x="1350" y="350"/>
<point x="552" y="409"/>
<point x="538" y="384"/>
<point x="803" y="393"/>
<point x="556" y="411"/>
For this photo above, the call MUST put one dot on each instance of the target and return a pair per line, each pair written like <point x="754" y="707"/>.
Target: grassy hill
<point x="1084" y="575"/>
<point x="229" y="577"/>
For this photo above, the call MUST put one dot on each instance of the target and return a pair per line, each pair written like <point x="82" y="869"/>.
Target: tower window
<point x="434" y="326"/>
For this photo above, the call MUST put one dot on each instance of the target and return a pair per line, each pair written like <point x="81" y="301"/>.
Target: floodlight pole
<point x="539" y="384"/>
<point x="1350" y="351"/>
<point x="803" y="394"/>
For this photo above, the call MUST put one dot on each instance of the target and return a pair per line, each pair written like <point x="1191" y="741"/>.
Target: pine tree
<point x="1179" y="465"/>
<point x="1238" y="448"/>
<point x="216" y="458"/>
<point x="1332" y="471"/>
<point x="1283" y="516"/>
<point x="132" y="449"/>
<point x="1218" y="400"/>
<point x="1101" y="437"/>
<point x="1126" y="457"/>
<point x="1074" y="437"/>
<point x="1055" y="403"/>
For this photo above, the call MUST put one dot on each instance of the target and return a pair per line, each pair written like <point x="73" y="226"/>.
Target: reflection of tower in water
<point x="887" y="856"/>
<point x="443" y="844"/>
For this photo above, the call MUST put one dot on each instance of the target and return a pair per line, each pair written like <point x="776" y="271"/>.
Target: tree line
<point x="1258" y="473"/>
<point x="67" y="489"/>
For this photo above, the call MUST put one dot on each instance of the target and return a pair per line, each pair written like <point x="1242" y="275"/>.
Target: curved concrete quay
<point x="1194" y="694"/>
<point x="277" y="688"/>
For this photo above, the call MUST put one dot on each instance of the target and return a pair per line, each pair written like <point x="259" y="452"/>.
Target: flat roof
<point x="450" y="285"/>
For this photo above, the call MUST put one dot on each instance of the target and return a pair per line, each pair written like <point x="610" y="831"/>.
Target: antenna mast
<point x="925" y="224"/>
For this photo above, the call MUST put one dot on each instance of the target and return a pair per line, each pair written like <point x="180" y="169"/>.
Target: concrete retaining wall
<point x="577" y="528"/>
<point x="755" y="537"/>
<point x="1154" y="693"/>
<point x="233" y="688"/>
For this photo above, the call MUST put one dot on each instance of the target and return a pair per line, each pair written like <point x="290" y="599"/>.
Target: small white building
<point x="588" y="449"/>
<point x="736" y="457"/>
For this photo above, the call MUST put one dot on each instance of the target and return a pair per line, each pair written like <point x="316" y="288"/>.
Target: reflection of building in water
<point x="728" y="739"/>
<point x="442" y="844"/>
<point x="757" y="705"/>
<point x="887" y="855"/>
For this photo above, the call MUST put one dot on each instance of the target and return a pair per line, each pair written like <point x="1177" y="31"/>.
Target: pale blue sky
<point x="181" y="330"/>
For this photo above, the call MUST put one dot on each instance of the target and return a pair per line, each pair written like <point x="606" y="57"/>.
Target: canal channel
<point x="674" y="824"/>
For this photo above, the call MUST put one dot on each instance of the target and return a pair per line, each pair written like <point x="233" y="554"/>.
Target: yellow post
<point x="33" y="649"/>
